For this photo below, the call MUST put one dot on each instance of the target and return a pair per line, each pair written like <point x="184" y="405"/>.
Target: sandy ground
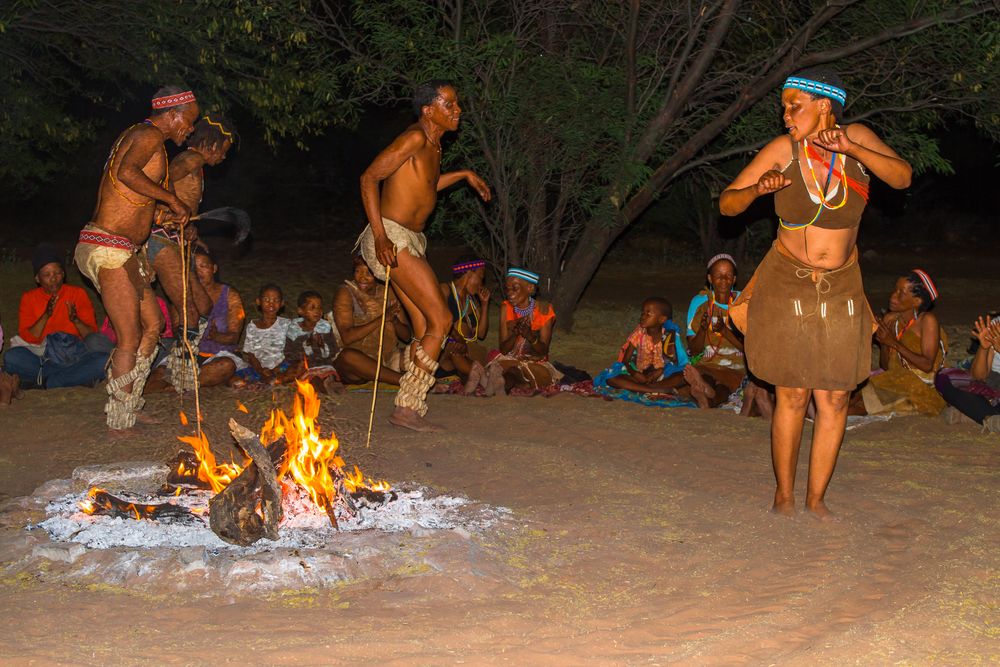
<point x="639" y="536"/>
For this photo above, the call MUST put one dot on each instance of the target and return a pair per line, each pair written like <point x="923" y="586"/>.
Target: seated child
<point x="653" y="357"/>
<point x="310" y="346"/>
<point x="264" y="340"/>
<point x="911" y="350"/>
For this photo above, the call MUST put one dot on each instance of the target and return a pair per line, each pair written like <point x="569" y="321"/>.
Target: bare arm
<point x="343" y="317"/>
<point x="403" y="148"/>
<point x="930" y="340"/>
<point x="452" y="177"/>
<point x="234" y="321"/>
<point x="860" y="143"/>
<point x="762" y="176"/>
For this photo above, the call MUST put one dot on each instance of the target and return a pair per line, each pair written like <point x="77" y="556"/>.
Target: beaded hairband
<point x="223" y="130"/>
<point x="175" y="100"/>
<point x="465" y="267"/>
<point x="818" y="87"/>
<point x="721" y="255"/>
<point x="928" y="283"/>
<point x="523" y="274"/>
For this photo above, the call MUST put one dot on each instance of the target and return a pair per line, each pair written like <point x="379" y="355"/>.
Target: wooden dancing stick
<point x="185" y="249"/>
<point x="378" y="364"/>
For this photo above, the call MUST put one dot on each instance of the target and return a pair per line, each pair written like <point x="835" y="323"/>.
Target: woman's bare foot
<point x="7" y="388"/>
<point x="820" y="510"/>
<point x="148" y="420"/>
<point x="494" y="381"/>
<point x="477" y="378"/>
<point x="408" y="418"/>
<point x="783" y="506"/>
<point x="701" y="391"/>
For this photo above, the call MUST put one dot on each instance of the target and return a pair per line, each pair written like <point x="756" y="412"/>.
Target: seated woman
<point x="976" y="393"/>
<point x="717" y="364"/>
<point x="217" y="351"/>
<point x="526" y="326"/>
<point x="57" y="343"/>
<point x="357" y="318"/>
<point x="911" y="350"/>
<point x="469" y="303"/>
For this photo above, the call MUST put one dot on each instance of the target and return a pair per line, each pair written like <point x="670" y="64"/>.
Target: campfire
<point x="288" y="458"/>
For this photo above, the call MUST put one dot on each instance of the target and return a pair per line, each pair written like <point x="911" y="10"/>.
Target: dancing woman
<point x="808" y="325"/>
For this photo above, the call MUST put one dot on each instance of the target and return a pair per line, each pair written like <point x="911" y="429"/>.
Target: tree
<point x="62" y="63"/>
<point x="582" y="114"/>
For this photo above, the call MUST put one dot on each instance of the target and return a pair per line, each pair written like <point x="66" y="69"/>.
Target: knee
<point x="796" y="398"/>
<point x="19" y="358"/>
<point x="439" y="322"/>
<point x="835" y="401"/>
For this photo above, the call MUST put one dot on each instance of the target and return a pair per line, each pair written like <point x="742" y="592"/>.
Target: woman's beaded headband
<point x="523" y="274"/>
<point x="817" y="87"/>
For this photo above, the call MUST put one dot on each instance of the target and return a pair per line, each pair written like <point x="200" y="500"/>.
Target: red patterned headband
<point x="928" y="283"/>
<point x="465" y="267"/>
<point x="175" y="100"/>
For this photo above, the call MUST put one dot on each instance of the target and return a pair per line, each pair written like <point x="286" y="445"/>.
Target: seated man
<point x="357" y="319"/>
<point x="57" y="343"/>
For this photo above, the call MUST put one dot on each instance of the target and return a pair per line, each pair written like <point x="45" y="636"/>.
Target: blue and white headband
<point x="817" y="87"/>
<point x="523" y="274"/>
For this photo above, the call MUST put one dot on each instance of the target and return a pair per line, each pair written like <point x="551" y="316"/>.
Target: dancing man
<point x="208" y="145"/>
<point x="409" y="170"/>
<point x="110" y="251"/>
<point x="808" y="325"/>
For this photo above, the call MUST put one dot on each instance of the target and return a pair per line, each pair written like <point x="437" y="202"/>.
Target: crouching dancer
<point x="409" y="170"/>
<point x="110" y="251"/>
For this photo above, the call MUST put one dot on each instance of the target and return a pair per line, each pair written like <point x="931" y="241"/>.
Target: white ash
<point x="304" y="525"/>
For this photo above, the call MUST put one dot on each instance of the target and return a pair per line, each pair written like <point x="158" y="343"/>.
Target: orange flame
<point x="218" y="476"/>
<point x="242" y="408"/>
<point x="184" y="419"/>
<point x="311" y="460"/>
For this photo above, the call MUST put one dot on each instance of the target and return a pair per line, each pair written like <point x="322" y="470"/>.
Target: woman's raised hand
<point x="772" y="181"/>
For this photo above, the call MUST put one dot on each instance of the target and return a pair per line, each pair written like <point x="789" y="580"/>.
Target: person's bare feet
<point x="819" y="510"/>
<point x="146" y="419"/>
<point x="494" y="381"/>
<point x="701" y="391"/>
<point x="408" y="418"/>
<point x="477" y="376"/>
<point x="783" y="506"/>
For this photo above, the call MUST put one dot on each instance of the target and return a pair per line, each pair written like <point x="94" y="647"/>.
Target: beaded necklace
<point x="821" y="192"/>
<point x="469" y="307"/>
<point x="527" y="311"/>
<point x="111" y="167"/>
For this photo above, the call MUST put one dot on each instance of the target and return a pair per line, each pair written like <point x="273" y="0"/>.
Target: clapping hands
<point x="987" y="332"/>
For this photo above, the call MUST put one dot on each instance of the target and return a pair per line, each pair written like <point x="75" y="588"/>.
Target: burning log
<point x="100" y="501"/>
<point x="233" y="512"/>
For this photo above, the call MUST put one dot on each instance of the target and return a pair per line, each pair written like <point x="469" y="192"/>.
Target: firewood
<point x="233" y="514"/>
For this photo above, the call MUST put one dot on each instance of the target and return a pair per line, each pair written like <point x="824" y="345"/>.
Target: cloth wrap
<point x="806" y="327"/>
<point x="402" y="238"/>
<point x="99" y="249"/>
<point x="416" y="381"/>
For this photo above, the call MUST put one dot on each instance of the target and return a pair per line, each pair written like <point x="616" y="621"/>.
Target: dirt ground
<point x="639" y="536"/>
